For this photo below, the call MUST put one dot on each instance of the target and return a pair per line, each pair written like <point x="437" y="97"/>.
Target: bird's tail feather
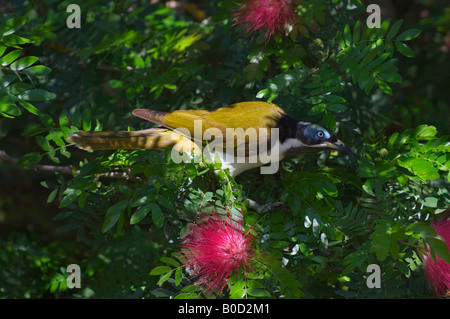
<point x="155" y="139"/>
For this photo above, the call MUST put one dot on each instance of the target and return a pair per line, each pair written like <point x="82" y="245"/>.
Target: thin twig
<point x="38" y="167"/>
<point x="63" y="169"/>
<point x="266" y="208"/>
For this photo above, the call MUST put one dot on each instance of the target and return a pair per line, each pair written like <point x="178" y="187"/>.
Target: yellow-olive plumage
<point x="240" y="115"/>
<point x="155" y="139"/>
<point x="183" y="129"/>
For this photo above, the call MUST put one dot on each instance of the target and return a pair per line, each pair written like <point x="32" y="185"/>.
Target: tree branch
<point x="38" y="167"/>
<point x="61" y="169"/>
<point x="266" y="208"/>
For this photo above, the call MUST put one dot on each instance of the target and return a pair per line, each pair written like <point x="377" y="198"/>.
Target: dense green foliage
<point x="120" y="215"/>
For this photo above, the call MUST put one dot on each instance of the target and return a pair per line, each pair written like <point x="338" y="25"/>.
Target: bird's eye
<point x="320" y="134"/>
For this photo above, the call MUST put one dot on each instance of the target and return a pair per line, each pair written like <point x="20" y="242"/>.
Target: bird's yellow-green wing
<point x="244" y="115"/>
<point x="242" y="119"/>
<point x="240" y="115"/>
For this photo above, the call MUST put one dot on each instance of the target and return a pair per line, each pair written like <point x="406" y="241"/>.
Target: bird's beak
<point x="341" y="147"/>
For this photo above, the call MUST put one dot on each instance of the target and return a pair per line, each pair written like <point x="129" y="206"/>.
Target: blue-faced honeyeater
<point x="181" y="131"/>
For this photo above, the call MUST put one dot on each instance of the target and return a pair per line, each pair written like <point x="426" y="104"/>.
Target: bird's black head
<point x="315" y="137"/>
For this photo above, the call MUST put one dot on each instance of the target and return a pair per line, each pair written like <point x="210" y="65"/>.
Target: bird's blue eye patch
<point x="316" y="132"/>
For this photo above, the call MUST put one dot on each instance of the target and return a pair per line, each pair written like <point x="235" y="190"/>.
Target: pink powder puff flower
<point x="438" y="274"/>
<point x="266" y="15"/>
<point x="216" y="249"/>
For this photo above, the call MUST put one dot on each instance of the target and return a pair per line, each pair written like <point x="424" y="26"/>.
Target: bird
<point x="240" y="136"/>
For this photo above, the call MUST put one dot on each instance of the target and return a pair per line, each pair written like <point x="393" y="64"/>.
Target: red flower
<point x="266" y="15"/>
<point x="438" y="274"/>
<point x="216" y="249"/>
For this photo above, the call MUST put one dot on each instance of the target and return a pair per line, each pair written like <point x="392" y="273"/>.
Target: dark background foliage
<point x="384" y="91"/>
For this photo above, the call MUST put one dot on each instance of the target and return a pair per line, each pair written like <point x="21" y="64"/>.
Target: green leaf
<point x="409" y="35"/>
<point x="116" y="84"/>
<point x="288" y="282"/>
<point x="403" y="268"/>
<point x="340" y="40"/>
<point x="23" y="63"/>
<point x="187" y="295"/>
<point x="368" y="84"/>
<point x="7" y="79"/>
<point x="392" y="140"/>
<point x="64" y="118"/>
<point x="52" y="196"/>
<point x="157" y="215"/>
<point x="385" y="87"/>
<point x="19" y="87"/>
<point x="112" y="215"/>
<point x="43" y="143"/>
<point x="86" y="120"/>
<point x="369" y="185"/>
<point x="317" y="109"/>
<point x="347" y="35"/>
<point x="160" y="292"/>
<point x="14" y="24"/>
<point x="425" y="132"/>
<point x="378" y="60"/>
<point x="394" y="29"/>
<point x="178" y="276"/>
<point x="405" y="137"/>
<point x="334" y="98"/>
<point x="14" y="40"/>
<point x="10" y="109"/>
<point x="381" y="238"/>
<point x="160" y="270"/>
<point x="389" y="47"/>
<point x="29" y="107"/>
<point x="140" y="214"/>
<point x="165" y="202"/>
<point x="424" y="169"/>
<point x="30" y="160"/>
<point x="384" y="28"/>
<point x="237" y="291"/>
<point x="430" y="202"/>
<point x="37" y="95"/>
<point x="170" y="86"/>
<point x="336" y="107"/>
<point x="164" y="278"/>
<point x="366" y="168"/>
<point x="258" y="292"/>
<point x="10" y="57"/>
<point x="56" y="137"/>
<point x="392" y="77"/>
<point x="70" y="194"/>
<point x="47" y="120"/>
<point x="404" y="49"/>
<point x="329" y="120"/>
<point x="190" y="288"/>
<point x="386" y="66"/>
<point x="367" y="33"/>
<point x="356" y="31"/>
<point x="82" y="199"/>
<point x="37" y="70"/>
<point x="438" y="246"/>
<point x="170" y="261"/>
